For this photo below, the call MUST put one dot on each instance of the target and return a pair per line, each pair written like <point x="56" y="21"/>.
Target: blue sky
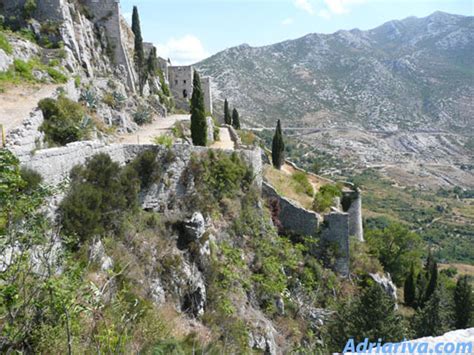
<point x="190" y="30"/>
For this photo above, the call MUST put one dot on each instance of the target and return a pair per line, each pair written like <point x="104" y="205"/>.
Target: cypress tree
<point x="227" y="117"/>
<point x="278" y="147"/>
<point x="463" y="304"/>
<point x="420" y="289"/>
<point x="137" y="31"/>
<point x="235" y="119"/>
<point x="431" y="320"/>
<point x="433" y="280"/>
<point x="198" y="113"/>
<point x="151" y="63"/>
<point x="410" y="288"/>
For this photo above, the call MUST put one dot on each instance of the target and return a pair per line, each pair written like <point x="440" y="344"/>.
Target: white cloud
<point x="304" y="5"/>
<point x="288" y="21"/>
<point x="339" y="7"/>
<point x="182" y="51"/>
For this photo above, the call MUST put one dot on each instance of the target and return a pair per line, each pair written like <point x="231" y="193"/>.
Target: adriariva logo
<point x="408" y="347"/>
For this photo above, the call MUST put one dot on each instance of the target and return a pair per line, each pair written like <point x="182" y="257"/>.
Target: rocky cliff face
<point x="93" y="46"/>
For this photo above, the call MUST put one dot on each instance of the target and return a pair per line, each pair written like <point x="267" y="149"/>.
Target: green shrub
<point x="304" y="186"/>
<point x="64" y="121"/>
<point x="29" y="8"/>
<point x="31" y="178"/>
<point x="24" y="69"/>
<point x="5" y="45"/>
<point x="142" y="116"/>
<point x="165" y="140"/>
<point x="219" y="175"/>
<point x="325" y="196"/>
<point x="57" y="76"/>
<point x="146" y="167"/>
<point x="100" y="195"/>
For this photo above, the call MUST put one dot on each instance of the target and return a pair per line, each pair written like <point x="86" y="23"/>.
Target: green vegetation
<point x="5" y="44"/>
<point x="227" y="116"/>
<point x="463" y="304"/>
<point x="100" y="194"/>
<point x="219" y="176"/>
<point x="29" y="8"/>
<point x="369" y="315"/>
<point x="65" y="121"/>
<point x="324" y="198"/>
<point x="304" y="186"/>
<point x="22" y="72"/>
<point x="396" y="247"/>
<point x="138" y="45"/>
<point x="235" y="119"/>
<point x="165" y="140"/>
<point x="142" y="116"/>
<point x="198" y="113"/>
<point x="278" y="147"/>
<point x="441" y="219"/>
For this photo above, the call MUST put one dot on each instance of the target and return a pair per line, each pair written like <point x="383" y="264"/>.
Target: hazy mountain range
<point x="400" y="93"/>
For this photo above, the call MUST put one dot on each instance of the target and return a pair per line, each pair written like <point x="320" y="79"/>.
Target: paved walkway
<point x="224" y="142"/>
<point x="16" y="103"/>
<point x="158" y="127"/>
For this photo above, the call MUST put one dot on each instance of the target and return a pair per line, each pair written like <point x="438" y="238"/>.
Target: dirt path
<point x="224" y="142"/>
<point x="147" y="132"/>
<point x="17" y="103"/>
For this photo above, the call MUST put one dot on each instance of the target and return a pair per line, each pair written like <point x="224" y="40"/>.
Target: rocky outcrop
<point x="385" y="281"/>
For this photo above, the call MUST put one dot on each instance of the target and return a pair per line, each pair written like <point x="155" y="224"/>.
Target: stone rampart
<point x="293" y="218"/>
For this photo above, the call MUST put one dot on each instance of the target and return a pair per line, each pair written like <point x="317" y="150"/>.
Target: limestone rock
<point x="97" y="255"/>
<point x="195" y="227"/>
<point x="385" y="281"/>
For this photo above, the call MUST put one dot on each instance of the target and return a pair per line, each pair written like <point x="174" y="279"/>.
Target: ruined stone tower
<point x="106" y="13"/>
<point x="181" y="84"/>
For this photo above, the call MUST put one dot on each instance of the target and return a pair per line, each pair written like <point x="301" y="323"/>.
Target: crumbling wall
<point x="106" y="13"/>
<point x="335" y="237"/>
<point x="294" y="219"/>
<point x="206" y="88"/>
<point x="352" y="204"/>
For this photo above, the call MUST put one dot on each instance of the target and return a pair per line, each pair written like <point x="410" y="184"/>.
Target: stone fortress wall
<point x="107" y="14"/>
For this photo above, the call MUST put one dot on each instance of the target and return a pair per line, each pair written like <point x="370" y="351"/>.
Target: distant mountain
<point x="413" y="74"/>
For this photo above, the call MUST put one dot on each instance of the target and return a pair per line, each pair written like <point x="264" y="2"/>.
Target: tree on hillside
<point x="278" y="147"/>
<point x="198" y="113"/>
<point x="235" y="119"/>
<point x="139" y="52"/>
<point x="433" y="279"/>
<point x="396" y="248"/>
<point x="227" y="117"/>
<point x="431" y="320"/>
<point x="409" y="288"/>
<point x="137" y="31"/>
<point x="370" y="315"/>
<point x="463" y="304"/>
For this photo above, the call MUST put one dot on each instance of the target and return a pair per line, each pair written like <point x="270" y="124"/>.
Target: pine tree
<point x="431" y="320"/>
<point x="433" y="280"/>
<point x="137" y="31"/>
<point x="235" y="119"/>
<point x="227" y="117"/>
<point x="410" y="288"/>
<point x="198" y="113"/>
<point x="463" y="304"/>
<point x="278" y="147"/>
